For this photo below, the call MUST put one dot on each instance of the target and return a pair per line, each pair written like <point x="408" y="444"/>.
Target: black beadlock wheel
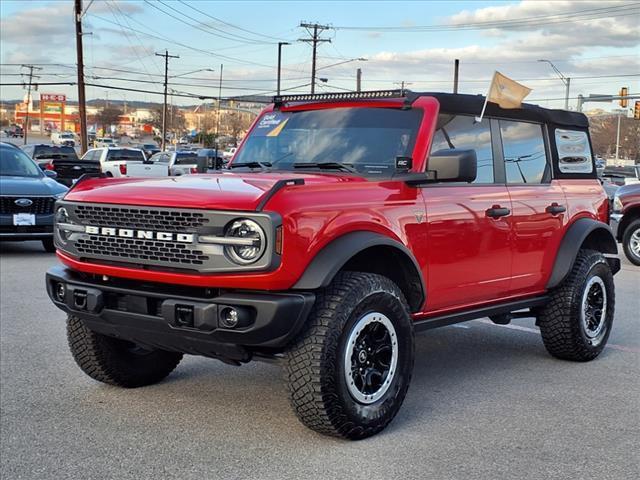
<point x="576" y="323"/>
<point x="117" y="362"/>
<point x="349" y="371"/>
<point x="631" y="242"/>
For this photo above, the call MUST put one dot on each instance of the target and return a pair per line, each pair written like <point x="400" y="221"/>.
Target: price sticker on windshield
<point x="24" y="219"/>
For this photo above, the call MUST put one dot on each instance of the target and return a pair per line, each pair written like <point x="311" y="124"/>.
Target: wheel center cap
<point x="362" y="356"/>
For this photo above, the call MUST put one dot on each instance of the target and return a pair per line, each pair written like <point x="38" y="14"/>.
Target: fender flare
<point x="573" y="240"/>
<point x="333" y="256"/>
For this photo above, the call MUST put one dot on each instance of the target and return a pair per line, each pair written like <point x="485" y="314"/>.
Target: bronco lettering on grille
<point x="142" y="234"/>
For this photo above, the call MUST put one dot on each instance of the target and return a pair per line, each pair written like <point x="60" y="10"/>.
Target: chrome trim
<point x="243" y="242"/>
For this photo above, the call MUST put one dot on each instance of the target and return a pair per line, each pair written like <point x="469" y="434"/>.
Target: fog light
<point x="61" y="291"/>
<point x="229" y="317"/>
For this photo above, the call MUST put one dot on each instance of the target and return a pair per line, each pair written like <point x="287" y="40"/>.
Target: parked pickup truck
<point x="125" y="162"/>
<point x="62" y="160"/>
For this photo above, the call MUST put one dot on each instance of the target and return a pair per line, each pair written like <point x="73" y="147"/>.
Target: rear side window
<point x="574" y="151"/>
<point x="525" y="157"/>
<point x="186" y="158"/>
<point x="462" y="132"/>
<point x="114" y="155"/>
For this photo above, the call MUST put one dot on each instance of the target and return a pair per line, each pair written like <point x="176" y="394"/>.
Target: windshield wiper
<point x="346" y="167"/>
<point x="253" y="164"/>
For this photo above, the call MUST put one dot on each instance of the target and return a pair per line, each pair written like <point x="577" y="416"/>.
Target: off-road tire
<point x="562" y="329"/>
<point x="48" y="245"/>
<point x="315" y="362"/>
<point x="632" y="228"/>
<point x="113" y="361"/>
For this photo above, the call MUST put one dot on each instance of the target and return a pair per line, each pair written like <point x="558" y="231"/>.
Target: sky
<point x="596" y="43"/>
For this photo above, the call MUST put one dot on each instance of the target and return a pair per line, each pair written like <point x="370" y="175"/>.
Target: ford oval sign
<point x="24" y="202"/>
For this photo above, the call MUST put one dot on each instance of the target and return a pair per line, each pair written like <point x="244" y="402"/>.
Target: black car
<point x="63" y="160"/>
<point x="27" y="198"/>
<point x="14" y="131"/>
<point x="149" y="149"/>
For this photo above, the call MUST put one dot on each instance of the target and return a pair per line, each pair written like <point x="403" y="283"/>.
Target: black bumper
<point x="182" y="319"/>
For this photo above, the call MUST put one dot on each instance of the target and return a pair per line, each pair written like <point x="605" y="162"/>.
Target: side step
<point x="502" y="312"/>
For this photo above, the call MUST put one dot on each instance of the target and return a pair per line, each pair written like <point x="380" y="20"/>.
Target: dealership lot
<point x="486" y="402"/>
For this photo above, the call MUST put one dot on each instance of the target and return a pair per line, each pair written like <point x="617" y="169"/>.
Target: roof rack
<point x="340" y="96"/>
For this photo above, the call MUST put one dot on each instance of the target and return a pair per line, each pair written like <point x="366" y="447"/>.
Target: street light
<point x="565" y="80"/>
<point x="195" y="71"/>
<point x="360" y="59"/>
<point x="280" y="44"/>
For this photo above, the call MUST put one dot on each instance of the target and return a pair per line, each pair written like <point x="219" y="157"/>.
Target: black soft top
<point x="472" y="105"/>
<point x="450" y="103"/>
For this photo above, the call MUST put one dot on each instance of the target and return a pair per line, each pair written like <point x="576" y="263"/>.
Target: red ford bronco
<point x="344" y="224"/>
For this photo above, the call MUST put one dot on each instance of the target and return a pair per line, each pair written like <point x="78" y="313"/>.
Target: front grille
<point x="40" y="205"/>
<point x="135" y="249"/>
<point x="140" y="218"/>
<point x="26" y="229"/>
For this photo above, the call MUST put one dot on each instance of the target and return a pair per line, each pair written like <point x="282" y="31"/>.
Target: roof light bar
<point x="340" y="96"/>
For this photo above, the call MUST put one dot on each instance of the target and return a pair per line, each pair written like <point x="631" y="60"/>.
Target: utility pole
<point x="314" y="40"/>
<point x="359" y="80"/>
<point x="164" y="106"/>
<point x="82" y="105"/>
<point x="456" y="70"/>
<point x="618" y="136"/>
<point x="402" y="86"/>
<point x="280" y="44"/>
<point x="218" y="114"/>
<point x="26" y="120"/>
<point x="565" y="80"/>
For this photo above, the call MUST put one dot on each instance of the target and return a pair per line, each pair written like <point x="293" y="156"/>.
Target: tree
<point x="604" y="131"/>
<point x="237" y="122"/>
<point x="107" y="117"/>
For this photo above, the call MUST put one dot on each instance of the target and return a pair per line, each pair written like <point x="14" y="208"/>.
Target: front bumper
<point x="614" y="223"/>
<point x="183" y="319"/>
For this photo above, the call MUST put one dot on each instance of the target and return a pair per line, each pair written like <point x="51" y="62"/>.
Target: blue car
<point x="27" y="198"/>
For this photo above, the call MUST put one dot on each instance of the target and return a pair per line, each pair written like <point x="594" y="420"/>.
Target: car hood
<point x="19" y="186"/>
<point x="220" y="191"/>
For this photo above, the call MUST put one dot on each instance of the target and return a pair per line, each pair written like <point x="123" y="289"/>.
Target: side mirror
<point x="50" y="173"/>
<point x="454" y="165"/>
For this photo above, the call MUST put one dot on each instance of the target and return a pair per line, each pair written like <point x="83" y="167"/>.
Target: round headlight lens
<point x="61" y="216"/>
<point x="251" y="241"/>
<point x="617" y="204"/>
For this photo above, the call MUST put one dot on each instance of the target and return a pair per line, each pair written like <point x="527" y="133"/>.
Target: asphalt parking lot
<point x="486" y="402"/>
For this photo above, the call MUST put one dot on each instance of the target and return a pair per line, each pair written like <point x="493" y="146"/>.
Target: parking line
<point x="614" y="346"/>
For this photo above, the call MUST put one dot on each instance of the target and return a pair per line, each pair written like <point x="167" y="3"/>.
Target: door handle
<point x="497" y="211"/>
<point x="555" y="209"/>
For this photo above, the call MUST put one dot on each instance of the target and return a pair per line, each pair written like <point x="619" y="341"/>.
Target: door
<point x="468" y="225"/>
<point x="538" y="204"/>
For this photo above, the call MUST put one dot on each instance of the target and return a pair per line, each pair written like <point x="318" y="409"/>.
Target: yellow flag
<point x="506" y="92"/>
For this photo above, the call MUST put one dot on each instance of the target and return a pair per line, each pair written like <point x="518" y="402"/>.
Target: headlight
<point x="251" y="241"/>
<point x="617" y="204"/>
<point x="61" y="216"/>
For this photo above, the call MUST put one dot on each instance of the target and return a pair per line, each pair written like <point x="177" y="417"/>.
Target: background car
<point x="117" y="162"/>
<point x="181" y="162"/>
<point x="14" y="131"/>
<point x="229" y="153"/>
<point x="626" y="175"/>
<point x="63" y="138"/>
<point x="100" y="142"/>
<point x="215" y="161"/>
<point x="149" y="149"/>
<point x="27" y="198"/>
<point x="63" y="160"/>
<point x="625" y="220"/>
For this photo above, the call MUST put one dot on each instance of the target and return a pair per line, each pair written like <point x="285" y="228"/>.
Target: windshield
<point x="66" y="153"/>
<point x="364" y="140"/>
<point x="66" y="135"/>
<point x="16" y="163"/>
<point x="125" y="154"/>
<point x="186" y="158"/>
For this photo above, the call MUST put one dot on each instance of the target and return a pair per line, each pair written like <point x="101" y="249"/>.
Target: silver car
<point x="182" y="162"/>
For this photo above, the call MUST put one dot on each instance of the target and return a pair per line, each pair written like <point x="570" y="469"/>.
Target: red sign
<point x="52" y="97"/>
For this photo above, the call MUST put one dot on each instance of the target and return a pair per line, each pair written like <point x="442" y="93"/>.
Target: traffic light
<point x="624" y="91"/>
<point x="636" y="110"/>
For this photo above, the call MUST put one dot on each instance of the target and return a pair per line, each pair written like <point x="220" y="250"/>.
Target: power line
<point x="314" y="40"/>
<point x="518" y="22"/>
